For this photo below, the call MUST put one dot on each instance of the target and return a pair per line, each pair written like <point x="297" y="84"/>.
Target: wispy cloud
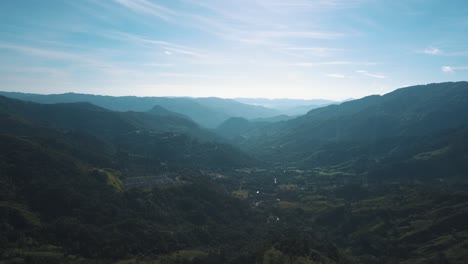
<point x="447" y="69"/>
<point x="154" y="64"/>
<point x="45" y="53"/>
<point x="167" y="47"/>
<point x="325" y="63"/>
<point x="255" y="35"/>
<point x="41" y="70"/>
<point x="198" y="75"/>
<point x="306" y="34"/>
<point x="307" y="5"/>
<point x="319" y="51"/>
<point x="373" y="75"/>
<point x="74" y="60"/>
<point x="147" y="7"/>
<point x="451" y="69"/>
<point x="336" y="75"/>
<point x="253" y="24"/>
<point x="314" y="64"/>
<point x="432" y="51"/>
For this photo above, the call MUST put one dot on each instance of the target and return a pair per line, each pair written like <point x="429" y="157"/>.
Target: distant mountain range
<point x="291" y="107"/>
<point x="208" y="112"/>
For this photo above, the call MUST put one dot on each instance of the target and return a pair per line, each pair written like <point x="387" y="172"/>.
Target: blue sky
<point x="332" y="49"/>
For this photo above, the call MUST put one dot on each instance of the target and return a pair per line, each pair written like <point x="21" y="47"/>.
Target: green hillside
<point x="364" y="132"/>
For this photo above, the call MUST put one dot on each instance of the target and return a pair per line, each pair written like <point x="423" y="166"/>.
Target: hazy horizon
<point x="254" y="49"/>
<point x="233" y="98"/>
<point x="177" y="96"/>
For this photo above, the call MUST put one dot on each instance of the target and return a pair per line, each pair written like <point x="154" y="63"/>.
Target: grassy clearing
<point x="112" y="179"/>
<point x="241" y="194"/>
<point x="288" y="187"/>
<point x="287" y="204"/>
<point x="431" y="154"/>
<point x="27" y="215"/>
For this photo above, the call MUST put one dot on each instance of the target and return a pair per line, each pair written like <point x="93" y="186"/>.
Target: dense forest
<point x="381" y="179"/>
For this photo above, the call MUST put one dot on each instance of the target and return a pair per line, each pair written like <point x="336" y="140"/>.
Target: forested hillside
<point x="368" y="133"/>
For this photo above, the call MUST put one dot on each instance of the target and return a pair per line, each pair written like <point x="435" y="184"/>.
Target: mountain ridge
<point x="208" y="112"/>
<point x="412" y="112"/>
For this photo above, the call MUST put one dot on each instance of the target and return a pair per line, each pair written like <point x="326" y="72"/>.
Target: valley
<point x="375" y="180"/>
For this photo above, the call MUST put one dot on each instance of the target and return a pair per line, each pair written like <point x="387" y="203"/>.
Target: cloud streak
<point x="451" y="69"/>
<point x="328" y="63"/>
<point x="245" y="25"/>
<point x="432" y="51"/>
<point x="336" y="75"/>
<point x="147" y="7"/>
<point x="167" y="47"/>
<point x="74" y="60"/>
<point x="373" y="75"/>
